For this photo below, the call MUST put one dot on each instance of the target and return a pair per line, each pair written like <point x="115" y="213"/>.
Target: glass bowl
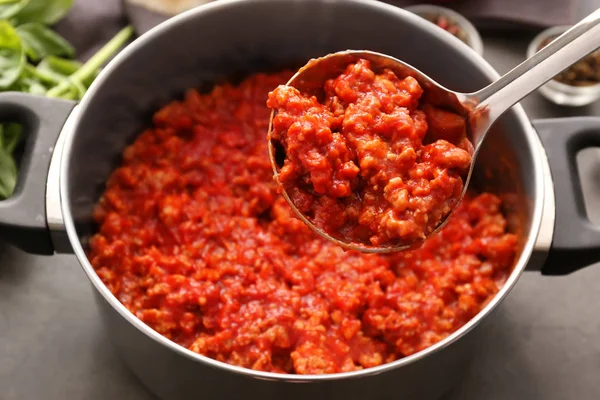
<point x="558" y="92"/>
<point x="472" y="37"/>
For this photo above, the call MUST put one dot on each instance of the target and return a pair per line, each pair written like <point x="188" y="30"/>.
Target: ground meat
<point x="372" y="163"/>
<point x="195" y="241"/>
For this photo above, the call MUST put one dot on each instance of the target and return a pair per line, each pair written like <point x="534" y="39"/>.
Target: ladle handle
<point x="570" y="47"/>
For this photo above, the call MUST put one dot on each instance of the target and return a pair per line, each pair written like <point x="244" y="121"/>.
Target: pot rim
<point x="528" y="248"/>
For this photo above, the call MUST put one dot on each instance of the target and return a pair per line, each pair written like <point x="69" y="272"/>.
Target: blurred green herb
<point x="43" y="11"/>
<point x="12" y="55"/>
<point x="9" y="135"/>
<point x="35" y="59"/>
<point x="40" y="41"/>
<point x="9" y="9"/>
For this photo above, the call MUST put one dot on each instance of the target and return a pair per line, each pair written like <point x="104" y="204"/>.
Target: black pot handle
<point x="23" y="215"/>
<point x="576" y="241"/>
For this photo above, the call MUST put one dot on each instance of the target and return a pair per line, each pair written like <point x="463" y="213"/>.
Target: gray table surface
<point x="543" y="343"/>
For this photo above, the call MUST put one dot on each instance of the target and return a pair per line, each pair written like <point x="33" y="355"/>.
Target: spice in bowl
<point x="578" y="85"/>
<point x="584" y="73"/>
<point x="452" y="22"/>
<point x="448" y="25"/>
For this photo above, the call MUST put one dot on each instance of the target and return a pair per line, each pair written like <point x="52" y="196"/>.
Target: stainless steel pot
<point x="228" y="38"/>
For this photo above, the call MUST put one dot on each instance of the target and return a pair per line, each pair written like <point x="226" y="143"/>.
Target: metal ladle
<point x="481" y="108"/>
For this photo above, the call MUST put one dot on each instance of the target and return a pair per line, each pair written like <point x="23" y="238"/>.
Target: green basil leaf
<point x="18" y="86"/>
<point x="8" y="174"/>
<point x="79" y="87"/>
<point x="70" y="94"/>
<point x="73" y="91"/>
<point x="26" y="80"/>
<point x="32" y="71"/>
<point x="58" y="68"/>
<point x="11" y="136"/>
<point x="40" y="41"/>
<point x="12" y="56"/>
<point x="2" y="2"/>
<point x="87" y="80"/>
<point x="34" y="86"/>
<point x="11" y="8"/>
<point x="47" y="12"/>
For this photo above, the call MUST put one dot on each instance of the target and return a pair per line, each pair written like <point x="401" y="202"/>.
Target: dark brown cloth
<point x="510" y="13"/>
<point x="91" y="23"/>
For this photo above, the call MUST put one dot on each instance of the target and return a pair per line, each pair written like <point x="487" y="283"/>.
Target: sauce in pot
<point x="195" y="241"/>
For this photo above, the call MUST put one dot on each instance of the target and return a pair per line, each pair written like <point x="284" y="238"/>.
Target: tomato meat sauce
<point x="372" y="162"/>
<point x="195" y="241"/>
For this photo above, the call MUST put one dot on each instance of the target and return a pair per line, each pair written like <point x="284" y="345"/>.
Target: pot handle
<point x="576" y="241"/>
<point x="23" y="215"/>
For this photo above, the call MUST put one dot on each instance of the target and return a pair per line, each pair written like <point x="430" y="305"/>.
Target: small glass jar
<point x="558" y="92"/>
<point x="472" y="37"/>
